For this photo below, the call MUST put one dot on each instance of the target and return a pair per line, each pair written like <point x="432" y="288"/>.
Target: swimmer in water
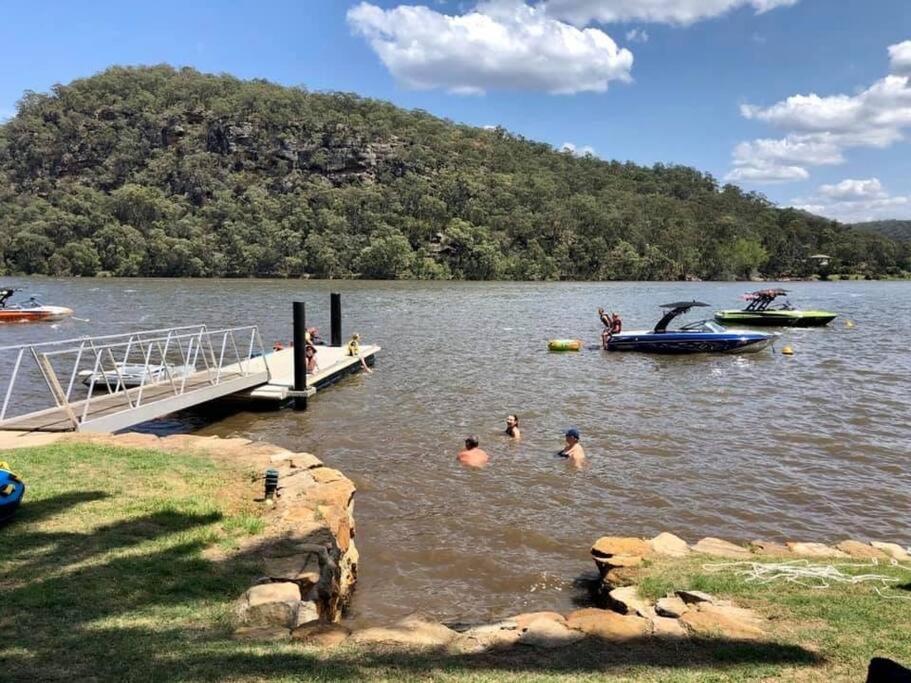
<point x="573" y="450"/>
<point x="473" y="456"/>
<point x="512" y="427"/>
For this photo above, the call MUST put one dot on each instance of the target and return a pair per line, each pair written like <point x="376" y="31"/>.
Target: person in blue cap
<point x="573" y="449"/>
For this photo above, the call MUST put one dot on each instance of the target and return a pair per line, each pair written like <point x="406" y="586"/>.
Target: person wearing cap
<point x="473" y="456"/>
<point x="573" y="449"/>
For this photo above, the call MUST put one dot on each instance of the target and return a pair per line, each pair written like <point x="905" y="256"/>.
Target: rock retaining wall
<point x="307" y="553"/>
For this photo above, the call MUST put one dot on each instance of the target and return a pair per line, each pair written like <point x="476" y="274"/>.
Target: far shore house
<point x="822" y="260"/>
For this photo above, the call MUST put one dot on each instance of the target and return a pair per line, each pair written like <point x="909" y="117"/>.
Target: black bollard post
<point x="300" y="355"/>
<point x="335" y="301"/>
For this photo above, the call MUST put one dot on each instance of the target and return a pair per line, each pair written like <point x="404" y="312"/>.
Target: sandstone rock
<point x="415" y="631"/>
<point x="727" y="622"/>
<point x="339" y="523"/>
<point x="719" y="548"/>
<point x="668" y="545"/>
<point x="607" y="546"/>
<point x="270" y="604"/>
<point x="262" y="633"/>
<point x="664" y="627"/>
<point x="548" y="633"/>
<point x="307" y="613"/>
<point x="672" y="607"/>
<point x="621" y="561"/>
<point x="301" y="568"/>
<point x="860" y="550"/>
<point x="523" y="621"/>
<point x="325" y="475"/>
<point x="607" y="624"/>
<point x="819" y="550"/>
<point x="320" y="635"/>
<point x="894" y="550"/>
<point x="770" y="549"/>
<point x="477" y="639"/>
<point x="694" y="597"/>
<point x="629" y="601"/>
<point x="306" y="461"/>
<point x="621" y="576"/>
<point x="337" y="493"/>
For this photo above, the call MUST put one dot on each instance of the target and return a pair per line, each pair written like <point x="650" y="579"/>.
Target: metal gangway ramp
<point x="112" y="382"/>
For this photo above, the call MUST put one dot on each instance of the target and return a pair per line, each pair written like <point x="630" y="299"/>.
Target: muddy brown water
<point x="812" y="447"/>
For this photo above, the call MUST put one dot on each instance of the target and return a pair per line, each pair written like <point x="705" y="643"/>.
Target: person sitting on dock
<point x="310" y="353"/>
<point x="314" y="338"/>
<point x="354" y="350"/>
<point x="473" y="456"/>
<point x="512" y="427"/>
<point x="573" y="449"/>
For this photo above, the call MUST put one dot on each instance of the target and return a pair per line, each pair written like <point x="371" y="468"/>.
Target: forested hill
<point x="896" y="230"/>
<point x="165" y="172"/>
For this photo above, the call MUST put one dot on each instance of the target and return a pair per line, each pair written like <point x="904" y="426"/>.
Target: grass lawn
<point x="108" y="573"/>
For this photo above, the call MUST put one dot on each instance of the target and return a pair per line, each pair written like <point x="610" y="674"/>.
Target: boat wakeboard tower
<point x="760" y="312"/>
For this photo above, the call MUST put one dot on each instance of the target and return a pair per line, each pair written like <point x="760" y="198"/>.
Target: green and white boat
<point x="759" y="311"/>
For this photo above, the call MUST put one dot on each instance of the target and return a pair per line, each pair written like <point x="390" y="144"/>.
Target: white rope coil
<point x="802" y="573"/>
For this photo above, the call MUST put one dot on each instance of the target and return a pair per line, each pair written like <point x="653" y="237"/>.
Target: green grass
<point x="107" y="574"/>
<point x="845" y="624"/>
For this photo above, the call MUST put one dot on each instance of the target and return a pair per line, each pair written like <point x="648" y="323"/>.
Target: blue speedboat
<point x="11" y="491"/>
<point x="703" y="336"/>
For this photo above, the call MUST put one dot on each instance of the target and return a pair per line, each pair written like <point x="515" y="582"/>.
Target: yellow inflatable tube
<point x="564" y="345"/>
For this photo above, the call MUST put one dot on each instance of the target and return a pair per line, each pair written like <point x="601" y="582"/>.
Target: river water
<point x="814" y="446"/>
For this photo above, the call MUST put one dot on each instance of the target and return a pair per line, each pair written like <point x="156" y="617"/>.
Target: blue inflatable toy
<point x="11" y="491"/>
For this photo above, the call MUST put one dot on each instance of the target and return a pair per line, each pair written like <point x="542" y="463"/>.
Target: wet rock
<point x="719" y="548"/>
<point x="694" y="597"/>
<point x="672" y="607"/>
<point x="320" y="635"/>
<point x="894" y="550"/>
<point x="770" y="549"/>
<point x="607" y="624"/>
<point x="547" y="633"/>
<point x="270" y="604"/>
<point x="608" y="546"/>
<point x="477" y="639"/>
<point x="262" y="633"/>
<point x="669" y="545"/>
<point x="665" y="627"/>
<point x="727" y="622"/>
<point x="628" y="601"/>
<point x="414" y="631"/>
<point x="817" y="550"/>
<point x="861" y="551"/>
<point x="523" y="621"/>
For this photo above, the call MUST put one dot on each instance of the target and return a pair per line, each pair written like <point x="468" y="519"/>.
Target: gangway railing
<point x="109" y="382"/>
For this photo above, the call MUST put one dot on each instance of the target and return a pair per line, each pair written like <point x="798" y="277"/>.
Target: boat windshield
<point x="703" y="326"/>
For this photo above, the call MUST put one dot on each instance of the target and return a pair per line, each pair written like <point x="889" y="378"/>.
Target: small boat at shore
<point x="702" y="336"/>
<point x="760" y="312"/>
<point x="31" y="311"/>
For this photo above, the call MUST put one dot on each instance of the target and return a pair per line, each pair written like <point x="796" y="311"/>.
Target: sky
<point x="805" y="101"/>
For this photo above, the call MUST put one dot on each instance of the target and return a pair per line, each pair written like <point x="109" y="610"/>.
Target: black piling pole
<point x="335" y="301"/>
<point x="300" y="356"/>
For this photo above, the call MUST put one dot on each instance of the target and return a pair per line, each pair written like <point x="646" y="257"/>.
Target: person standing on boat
<point x="573" y="450"/>
<point x="512" y="427"/>
<point x="473" y="456"/>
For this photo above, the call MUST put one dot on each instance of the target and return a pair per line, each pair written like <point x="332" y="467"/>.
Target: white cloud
<point x="767" y="172"/>
<point x="637" y="35"/>
<point x="854" y="201"/>
<point x="850" y="189"/>
<point x="900" y="58"/>
<point x="577" y="151"/>
<point x="500" y="44"/>
<point x="819" y="129"/>
<point x="683" y="12"/>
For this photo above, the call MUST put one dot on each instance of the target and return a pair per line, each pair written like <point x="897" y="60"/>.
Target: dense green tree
<point x="163" y="172"/>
